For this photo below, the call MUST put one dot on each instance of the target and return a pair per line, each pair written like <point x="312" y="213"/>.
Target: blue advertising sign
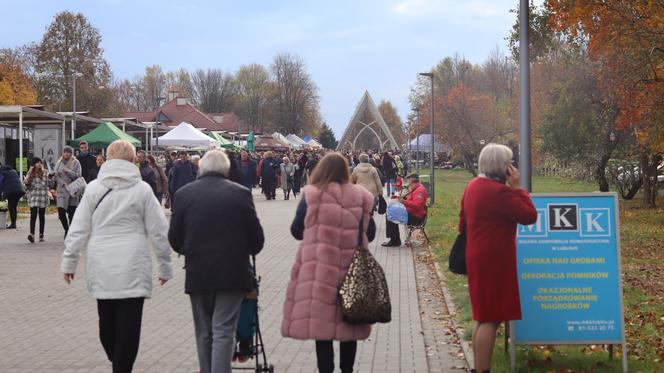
<point x="568" y="264"/>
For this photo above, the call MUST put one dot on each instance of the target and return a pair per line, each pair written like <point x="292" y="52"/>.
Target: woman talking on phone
<point x="492" y="206"/>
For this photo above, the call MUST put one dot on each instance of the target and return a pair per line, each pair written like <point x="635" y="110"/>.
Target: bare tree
<point x="255" y="91"/>
<point x="151" y="86"/>
<point x="296" y="99"/>
<point x="180" y="81"/>
<point x="214" y="91"/>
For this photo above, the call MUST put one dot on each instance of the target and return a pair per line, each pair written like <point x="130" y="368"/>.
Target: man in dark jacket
<point x="87" y="160"/>
<point x="269" y="175"/>
<point x="12" y="189"/>
<point x="172" y="157"/>
<point x="390" y="170"/>
<point x="248" y="170"/>
<point x="214" y="225"/>
<point x="181" y="174"/>
<point x="310" y="165"/>
<point x="147" y="172"/>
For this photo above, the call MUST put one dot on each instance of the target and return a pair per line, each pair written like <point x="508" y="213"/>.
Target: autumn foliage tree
<point x="15" y="85"/>
<point x="473" y="105"/>
<point x="626" y="38"/>
<point x="470" y="120"/>
<point x="393" y="120"/>
<point x="72" y="45"/>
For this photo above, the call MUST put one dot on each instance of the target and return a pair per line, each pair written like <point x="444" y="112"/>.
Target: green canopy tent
<point x="223" y="142"/>
<point x="250" y="141"/>
<point x="104" y="135"/>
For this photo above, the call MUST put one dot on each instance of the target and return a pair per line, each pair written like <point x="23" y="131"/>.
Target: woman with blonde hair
<point x="492" y="205"/>
<point x="327" y="221"/>
<point x="117" y="222"/>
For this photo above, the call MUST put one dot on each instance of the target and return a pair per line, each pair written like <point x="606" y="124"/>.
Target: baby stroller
<point x="249" y="340"/>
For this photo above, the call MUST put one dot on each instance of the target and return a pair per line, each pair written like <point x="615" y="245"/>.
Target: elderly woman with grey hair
<point x="287" y="172"/>
<point x="218" y="272"/>
<point x="117" y="222"/>
<point x="492" y="206"/>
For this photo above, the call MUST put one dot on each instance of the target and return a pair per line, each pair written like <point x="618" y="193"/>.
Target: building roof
<point x="269" y="143"/>
<point x="181" y="110"/>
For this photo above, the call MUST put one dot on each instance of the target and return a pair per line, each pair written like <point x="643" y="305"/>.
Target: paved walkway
<point x="48" y="326"/>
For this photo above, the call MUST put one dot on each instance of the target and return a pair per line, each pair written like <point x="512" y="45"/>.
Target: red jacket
<point x="416" y="201"/>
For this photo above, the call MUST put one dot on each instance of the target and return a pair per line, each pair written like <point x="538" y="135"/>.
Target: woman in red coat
<point x="490" y="211"/>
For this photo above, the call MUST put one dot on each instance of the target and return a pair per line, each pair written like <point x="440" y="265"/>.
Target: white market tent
<point x="315" y="144"/>
<point x="423" y="143"/>
<point x="282" y="139"/>
<point x="297" y="142"/>
<point x="187" y="136"/>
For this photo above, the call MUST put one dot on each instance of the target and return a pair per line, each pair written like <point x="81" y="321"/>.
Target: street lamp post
<point x="431" y="149"/>
<point x="156" y="120"/>
<point x="73" y="114"/>
<point x="417" y="140"/>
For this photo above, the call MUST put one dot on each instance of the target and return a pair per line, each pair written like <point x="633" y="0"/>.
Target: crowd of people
<point x="123" y="199"/>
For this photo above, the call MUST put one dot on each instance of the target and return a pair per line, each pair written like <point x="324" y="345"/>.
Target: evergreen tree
<point x="326" y="137"/>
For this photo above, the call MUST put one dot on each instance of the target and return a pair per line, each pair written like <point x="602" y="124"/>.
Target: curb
<point x="465" y="345"/>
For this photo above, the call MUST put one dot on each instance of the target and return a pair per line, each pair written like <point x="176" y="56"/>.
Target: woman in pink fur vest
<point x="327" y="221"/>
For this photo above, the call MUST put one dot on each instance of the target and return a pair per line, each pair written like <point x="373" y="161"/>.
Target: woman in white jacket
<point x="116" y="218"/>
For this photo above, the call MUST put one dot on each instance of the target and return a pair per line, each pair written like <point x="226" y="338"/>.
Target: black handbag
<point x="382" y="205"/>
<point x="457" y="260"/>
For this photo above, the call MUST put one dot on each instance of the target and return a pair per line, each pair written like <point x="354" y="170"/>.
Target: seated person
<point x="415" y="201"/>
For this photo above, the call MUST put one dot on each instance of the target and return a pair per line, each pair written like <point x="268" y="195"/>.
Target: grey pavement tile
<point x="52" y="327"/>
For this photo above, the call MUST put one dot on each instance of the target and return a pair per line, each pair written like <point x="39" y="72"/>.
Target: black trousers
<point x="66" y="216"/>
<point x="12" y="205"/>
<point x="325" y="356"/>
<point x="34" y="212"/>
<point x="270" y="185"/>
<point x="120" y="330"/>
<point x="392" y="229"/>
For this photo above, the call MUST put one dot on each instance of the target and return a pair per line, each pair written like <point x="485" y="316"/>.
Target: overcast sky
<point x="349" y="46"/>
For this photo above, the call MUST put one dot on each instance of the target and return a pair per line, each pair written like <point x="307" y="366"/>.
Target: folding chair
<point x="419" y="227"/>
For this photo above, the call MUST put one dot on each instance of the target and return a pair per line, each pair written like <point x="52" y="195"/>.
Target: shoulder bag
<point x="101" y="199"/>
<point x="76" y="187"/>
<point x="363" y="294"/>
<point x="382" y="205"/>
<point x="457" y="259"/>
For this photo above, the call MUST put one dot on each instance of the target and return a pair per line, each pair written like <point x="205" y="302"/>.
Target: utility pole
<point x="73" y="114"/>
<point x="524" y="107"/>
<point x="432" y="152"/>
<point x="417" y="140"/>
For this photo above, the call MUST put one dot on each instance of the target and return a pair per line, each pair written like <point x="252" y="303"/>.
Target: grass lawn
<point x="642" y="234"/>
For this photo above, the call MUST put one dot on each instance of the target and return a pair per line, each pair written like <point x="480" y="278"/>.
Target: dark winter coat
<point x="11" y="182"/>
<point x="88" y="163"/>
<point x="181" y="174"/>
<point x="248" y="171"/>
<point x="269" y="168"/>
<point x="389" y="167"/>
<point x="148" y="175"/>
<point x="214" y="225"/>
